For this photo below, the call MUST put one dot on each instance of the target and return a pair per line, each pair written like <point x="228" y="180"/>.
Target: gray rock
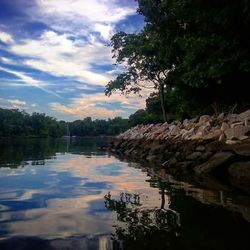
<point x="214" y="162"/>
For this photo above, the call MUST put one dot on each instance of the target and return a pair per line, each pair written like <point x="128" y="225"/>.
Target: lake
<point x="69" y="194"/>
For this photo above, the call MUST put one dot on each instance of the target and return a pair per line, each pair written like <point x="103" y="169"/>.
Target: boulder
<point x="232" y="142"/>
<point x="200" y="148"/>
<point x="205" y="118"/>
<point x="194" y="156"/>
<point x="224" y="126"/>
<point x="242" y="150"/>
<point x="216" y="161"/>
<point x="213" y="135"/>
<point x="237" y="132"/>
<point x="245" y="116"/>
<point x="239" y="174"/>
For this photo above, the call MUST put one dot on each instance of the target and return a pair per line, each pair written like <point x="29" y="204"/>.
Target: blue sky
<point x="54" y="56"/>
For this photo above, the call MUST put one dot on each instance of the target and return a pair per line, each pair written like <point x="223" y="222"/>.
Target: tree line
<point x="194" y="54"/>
<point x="14" y="122"/>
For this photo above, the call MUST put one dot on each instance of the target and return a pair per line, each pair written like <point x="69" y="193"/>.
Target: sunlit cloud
<point x="5" y="37"/>
<point x="95" y="105"/>
<point x="16" y="103"/>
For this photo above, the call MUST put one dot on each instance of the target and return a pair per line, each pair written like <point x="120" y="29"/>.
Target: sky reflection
<point x="64" y="197"/>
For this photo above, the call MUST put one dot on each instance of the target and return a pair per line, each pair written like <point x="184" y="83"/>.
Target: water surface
<point x="68" y="194"/>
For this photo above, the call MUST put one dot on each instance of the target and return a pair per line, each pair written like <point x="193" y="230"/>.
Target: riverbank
<point x="210" y="149"/>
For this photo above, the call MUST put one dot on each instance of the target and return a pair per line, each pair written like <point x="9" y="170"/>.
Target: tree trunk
<point x="161" y="93"/>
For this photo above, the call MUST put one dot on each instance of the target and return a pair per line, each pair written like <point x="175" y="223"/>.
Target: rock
<point x="232" y="118"/>
<point x="206" y="155"/>
<point x="222" y="137"/>
<point x="194" y="156"/>
<point x="237" y="132"/>
<point x="185" y="122"/>
<point x="232" y="142"/>
<point x="200" y="148"/>
<point x="213" y="135"/>
<point x="197" y="136"/>
<point x="205" y="118"/>
<point x="224" y="126"/>
<point x="204" y="128"/>
<point x="216" y="161"/>
<point x="245" y="116"/>
<point x="236" y="124"/>
<point x="239" y="173"/>
<point x="188" y="133"/>
<point x="242" y="150"/>
<point x="243" y="137"/>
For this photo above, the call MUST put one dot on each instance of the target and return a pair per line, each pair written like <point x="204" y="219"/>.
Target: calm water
<point x="61" y="194"/>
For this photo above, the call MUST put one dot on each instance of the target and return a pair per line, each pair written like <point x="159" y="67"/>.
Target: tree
<point x="144" y="67"/>
<point x="193" y="62"/>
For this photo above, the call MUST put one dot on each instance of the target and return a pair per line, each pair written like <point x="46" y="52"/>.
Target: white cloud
<point x="106" y="30"/>
<point x="105" y="11"/>
<point x="5" y="37"/>
<point x="17" y="103"/>
<point x="29" y="80"/>
<point x="60" y="56"/>
<point x="6" y="60"/>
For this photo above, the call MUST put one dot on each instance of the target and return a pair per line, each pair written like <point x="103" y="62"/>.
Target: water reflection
<point x="143" y="227"/>
<point x="57" y="195"/>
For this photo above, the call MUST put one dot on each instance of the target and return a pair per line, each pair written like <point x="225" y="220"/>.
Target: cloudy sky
<point x="54" y="56"/>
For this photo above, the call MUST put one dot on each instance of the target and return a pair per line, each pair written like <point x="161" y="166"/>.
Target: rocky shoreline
<point x="212" y="148"/>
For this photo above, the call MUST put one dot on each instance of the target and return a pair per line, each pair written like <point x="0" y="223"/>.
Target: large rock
<point x="245" y="116"/>
<point x="205" y="118"/>
<point x="237" y="132"/>
<point x="213" y="135"/>
<point x="239" y="173"/>
<point x="242" y="150"/>
<point x="216" y="161"/>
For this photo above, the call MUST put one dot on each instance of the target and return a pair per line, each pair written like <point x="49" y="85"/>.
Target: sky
<point x="54" y="57"/>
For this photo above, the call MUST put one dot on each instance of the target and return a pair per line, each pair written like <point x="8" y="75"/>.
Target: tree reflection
<point x="142" y="228"/>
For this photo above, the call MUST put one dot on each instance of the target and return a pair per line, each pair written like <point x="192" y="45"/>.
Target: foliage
<point x="141" y="228"/>
<point x="195" y="52"/>
<point x="14" y="122"/>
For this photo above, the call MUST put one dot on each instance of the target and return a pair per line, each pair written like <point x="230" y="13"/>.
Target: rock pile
<point x="203" y="146"/>
<point x="230" y="128"/>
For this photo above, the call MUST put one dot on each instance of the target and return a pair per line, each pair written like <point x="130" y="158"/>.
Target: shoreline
<point x="215" y="149"/>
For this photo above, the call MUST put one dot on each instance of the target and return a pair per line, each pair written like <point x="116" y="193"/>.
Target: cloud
<point x="60" y="56"/>
<point x="70" y="46"/>
<point x="5" y="37"/>
<point x="29" y="80"/>
<point x="16" y="103"/>
<point x="6" y="60"/>
<point x="100" y="106"/>
<point x="103" y="11"/>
